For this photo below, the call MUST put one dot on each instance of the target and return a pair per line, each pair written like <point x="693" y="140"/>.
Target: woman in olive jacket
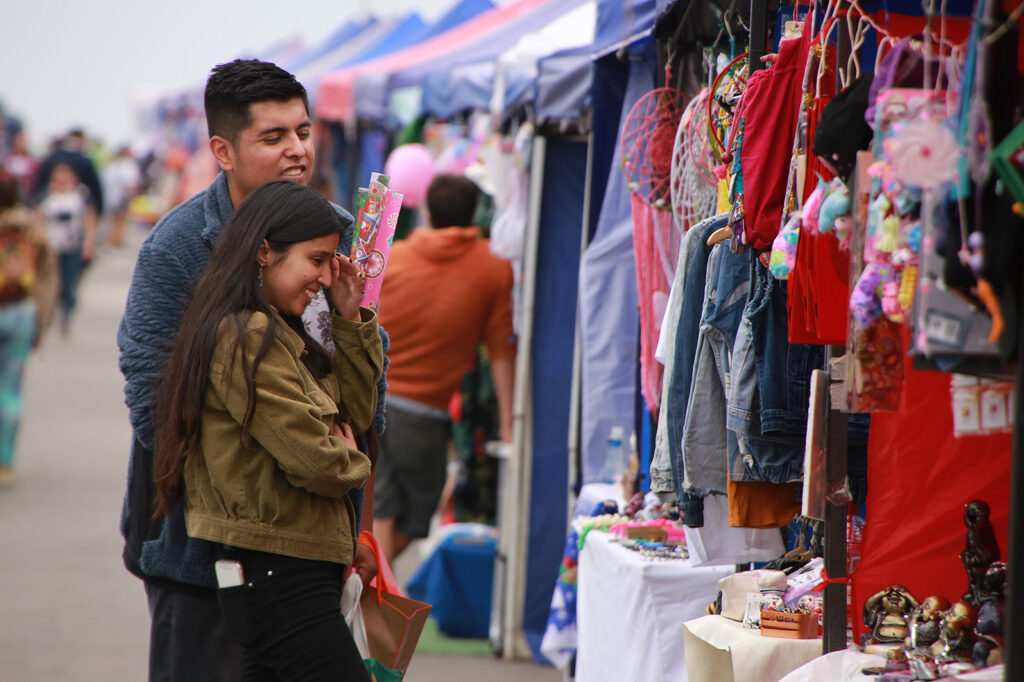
<point x="255" y="430"/>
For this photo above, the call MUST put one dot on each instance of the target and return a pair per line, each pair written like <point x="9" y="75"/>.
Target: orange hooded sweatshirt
<point x="443" y="293"/>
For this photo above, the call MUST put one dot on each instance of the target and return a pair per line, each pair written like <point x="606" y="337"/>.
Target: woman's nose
<point x="325" y="278"/>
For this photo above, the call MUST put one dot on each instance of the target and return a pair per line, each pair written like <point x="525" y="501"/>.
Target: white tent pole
<point x="516" y="508"/>
<point x="575" y="397"/>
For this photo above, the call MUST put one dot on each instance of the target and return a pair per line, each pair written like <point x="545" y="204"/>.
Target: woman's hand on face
<point x="346" y="287"/>
<point x="344" y="432"/>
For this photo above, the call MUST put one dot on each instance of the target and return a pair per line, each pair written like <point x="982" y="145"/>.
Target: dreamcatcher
<point x="648" y="137"/>
<point x="721" y="104"/>
<point x="694" y="187"/>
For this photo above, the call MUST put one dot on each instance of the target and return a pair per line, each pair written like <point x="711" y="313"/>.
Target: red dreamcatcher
<point x="648" y="137"/>
<point x="694" y="187"/>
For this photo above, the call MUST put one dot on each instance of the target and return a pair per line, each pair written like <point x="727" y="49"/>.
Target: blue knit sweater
<point x="169" y="264"/>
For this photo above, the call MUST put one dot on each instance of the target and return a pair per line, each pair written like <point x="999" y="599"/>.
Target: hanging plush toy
<point x="783" y="256"/>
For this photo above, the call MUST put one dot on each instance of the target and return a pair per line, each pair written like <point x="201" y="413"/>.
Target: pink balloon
<point x="411" y="168"/>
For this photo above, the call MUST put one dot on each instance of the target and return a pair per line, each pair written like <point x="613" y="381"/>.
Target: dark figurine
<point x="981" y="548"/>
<point x="989" y="648"/>
<point x="886" y="613"/>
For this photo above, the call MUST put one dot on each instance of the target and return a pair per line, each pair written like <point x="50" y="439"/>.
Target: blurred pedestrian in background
<point x="71" y="221"/>
<point x="28" y="286"/>
<point x="70" y="150"/>
<point x="20" y="164"/>
<point x="122" y="180"/>
<point x="444" y="293"/>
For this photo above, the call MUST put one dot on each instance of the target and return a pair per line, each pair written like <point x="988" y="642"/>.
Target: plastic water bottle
<point x="615" y="455"/>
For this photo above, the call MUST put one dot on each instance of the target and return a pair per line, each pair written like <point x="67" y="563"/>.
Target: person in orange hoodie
<point x="444" y="292"/>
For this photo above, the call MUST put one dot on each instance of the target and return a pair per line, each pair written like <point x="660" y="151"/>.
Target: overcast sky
<point x="65" y="64"/>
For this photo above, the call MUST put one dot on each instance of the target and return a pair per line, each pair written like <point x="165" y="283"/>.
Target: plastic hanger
<point x="857" y="37"/>
<point x="719" y="235"/>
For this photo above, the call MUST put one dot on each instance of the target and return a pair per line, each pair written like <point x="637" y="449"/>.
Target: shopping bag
<point x="350" y="595"/>
<point x="380" y="673"/>
<point x="393" y="623"/>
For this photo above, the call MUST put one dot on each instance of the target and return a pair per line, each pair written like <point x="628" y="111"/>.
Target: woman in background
<point x="71" y="225"/>
<point x="28" y="287"/>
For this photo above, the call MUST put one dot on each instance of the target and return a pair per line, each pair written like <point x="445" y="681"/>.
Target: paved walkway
<point x="69" y="612"/>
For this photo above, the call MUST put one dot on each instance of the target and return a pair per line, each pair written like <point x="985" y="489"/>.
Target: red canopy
<point x="920" y="478"/>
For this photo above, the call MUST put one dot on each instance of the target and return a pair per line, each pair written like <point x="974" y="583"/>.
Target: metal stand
<point x="834" y="609"/>
<point x="758" y="34"/>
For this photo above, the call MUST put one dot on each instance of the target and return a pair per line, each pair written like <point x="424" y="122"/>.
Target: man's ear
<point x="224" y="152"/>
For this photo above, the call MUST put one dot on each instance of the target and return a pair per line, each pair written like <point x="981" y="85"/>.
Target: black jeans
<point x="188" y="637"/>
<point x="288" y="618"/>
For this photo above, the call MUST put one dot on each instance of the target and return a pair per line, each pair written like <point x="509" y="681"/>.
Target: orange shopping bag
<point x="393" y="622"/>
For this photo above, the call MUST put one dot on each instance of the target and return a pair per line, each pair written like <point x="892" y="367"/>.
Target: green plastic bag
<point x="380" y="673"/>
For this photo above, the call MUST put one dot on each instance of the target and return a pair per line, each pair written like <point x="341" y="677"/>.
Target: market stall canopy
<point x="382" y="32"/>
<point x="517" y="69"/>
<point x="460" y="82"/>
<point x="285" y="51"/>
<point x="486" y="34"/>
<point x="561" y="86"/>
<point x="623" y="22"/>
<point x="341" y="35"/>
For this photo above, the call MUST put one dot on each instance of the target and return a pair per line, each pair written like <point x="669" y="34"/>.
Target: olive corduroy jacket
<point x="287" y="494"/>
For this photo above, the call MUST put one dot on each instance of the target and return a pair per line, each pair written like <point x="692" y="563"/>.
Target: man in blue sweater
<point x="260" y="130"/>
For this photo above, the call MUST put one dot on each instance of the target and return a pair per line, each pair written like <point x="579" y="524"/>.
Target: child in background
<point x="71" y="226"/>
<point x="28" y="284"/>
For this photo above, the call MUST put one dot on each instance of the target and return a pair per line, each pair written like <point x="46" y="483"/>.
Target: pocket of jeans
<point x="238" y="608"/>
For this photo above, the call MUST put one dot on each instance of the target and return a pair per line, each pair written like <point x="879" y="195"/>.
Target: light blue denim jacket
<point x="681" y="325"/>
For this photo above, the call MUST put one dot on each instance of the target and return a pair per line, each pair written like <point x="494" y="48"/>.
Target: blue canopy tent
<point x="375" y="88"/>
<point x="562" y="217"/>
<point x="568" y="204"/>
<point x="353" y="165"/>
<point x="462" y="11"/>
<point x="341" y="35"/>
<point x="407" y="31"/>
<point x="310" y="72"/>
<point x="591" y="331"/>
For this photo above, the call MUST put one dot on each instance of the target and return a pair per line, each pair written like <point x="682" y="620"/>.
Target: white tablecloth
<point x="845" y="666"/>
<point x="629" y="612"/>
<point x="721" y="650"/>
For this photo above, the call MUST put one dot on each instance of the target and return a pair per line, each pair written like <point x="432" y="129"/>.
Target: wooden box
<point x="789" y="625"/>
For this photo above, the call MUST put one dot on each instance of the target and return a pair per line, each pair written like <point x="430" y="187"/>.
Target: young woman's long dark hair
<point x="283" y="213"/>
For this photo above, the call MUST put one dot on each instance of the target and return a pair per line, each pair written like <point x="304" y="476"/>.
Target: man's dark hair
<point x="451" y="200"/>
<point x="233" y="86"/>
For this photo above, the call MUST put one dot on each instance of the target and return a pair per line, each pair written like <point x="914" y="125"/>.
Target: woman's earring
<point x="259" y="276"/>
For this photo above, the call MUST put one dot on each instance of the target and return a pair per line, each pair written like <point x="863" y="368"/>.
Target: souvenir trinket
<point x="980" y="550"/>
<point x="886" y="614"/>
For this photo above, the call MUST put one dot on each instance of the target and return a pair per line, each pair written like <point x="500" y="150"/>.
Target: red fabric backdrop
<point x="919" y="479"/>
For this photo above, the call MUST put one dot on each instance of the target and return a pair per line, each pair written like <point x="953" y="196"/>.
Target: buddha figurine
<point x="956" y="633"/>
<point x="886" y="613"/>
<point x="924" y="622"/>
